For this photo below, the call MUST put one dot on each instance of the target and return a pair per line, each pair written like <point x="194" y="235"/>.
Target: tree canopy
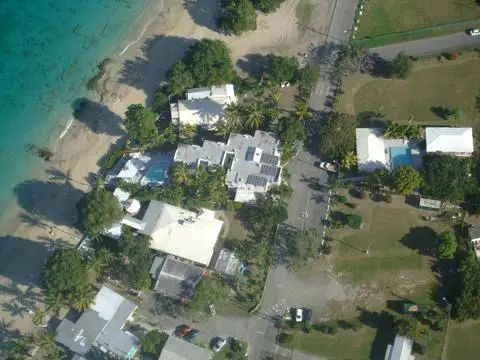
<point x="209" y="62"/>
<point x="404" y="131"/>
<point x="140" y="124"/>
<point x="100" y="211"/>
<point x="282" y="68"/>
<point x="65" y="273"/>
<point x="407" y="325"/>
<point x="180" y="78"/>
<point x="406" y="179"/>
<point x="447" y="245"/>
<point x="337" y="135"/>
<point x="468" y="303"/>
<point x="446" y="177"/>
<point x="135" y="249"/>
<point x="239" y="16"/>
<point x="153" y="343"/>
<point x="267" y="6"/>
<point x="401" y="66"/>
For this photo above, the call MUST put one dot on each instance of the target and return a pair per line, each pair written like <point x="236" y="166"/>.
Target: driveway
<point x="428" y="46"/>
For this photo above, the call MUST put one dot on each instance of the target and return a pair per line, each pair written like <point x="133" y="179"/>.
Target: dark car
<point x="191" y="335"/>
<point x="182" y="330"/>
<point x="307" y="315"/>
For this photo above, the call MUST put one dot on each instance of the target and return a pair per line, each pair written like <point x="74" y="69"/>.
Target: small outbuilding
<point x="429" y="204"/>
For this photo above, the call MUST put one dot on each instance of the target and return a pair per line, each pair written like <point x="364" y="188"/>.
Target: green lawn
<point x="452" y="84"/>
<point x="463" y="340"/>
<point x="390" y="16"/>
<point x="346" y="344"/>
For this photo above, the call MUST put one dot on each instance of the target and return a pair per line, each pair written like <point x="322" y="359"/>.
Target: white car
<point x="219" y="344"/>
<point x="299" y="315"/>
<point x="473" y="32"/>
<point x="328" y="166"/>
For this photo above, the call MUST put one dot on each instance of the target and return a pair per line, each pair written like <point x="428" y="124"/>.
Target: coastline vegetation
<point x="92" y="83"/>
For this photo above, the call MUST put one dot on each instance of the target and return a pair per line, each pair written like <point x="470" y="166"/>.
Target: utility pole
<point x="445" y="338"/>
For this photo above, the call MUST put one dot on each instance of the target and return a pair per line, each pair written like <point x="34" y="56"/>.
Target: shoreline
<point x="47" y="217"/>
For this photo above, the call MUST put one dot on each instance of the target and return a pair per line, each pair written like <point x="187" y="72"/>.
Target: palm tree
<point x="394" y="131"/>
<point x="302" y="111"/>
<point x="254" y="115"/>
<point x="180" y="174"/>
<point x="39" y="317"/>
<point x="45" y="341"/>
<point x="83" y="298"/>
<point x="19" y="349"/>
<point x="102" y="260"/>
<point x="222" y="129"/>
<point x="276" y="94"/>
<point x="233" y="116"/>
<point x="188" y="131"/>
<point x="55" y="303"/>
<point x="349" y="160"/>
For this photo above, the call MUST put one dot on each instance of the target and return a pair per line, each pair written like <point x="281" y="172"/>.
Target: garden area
<point x="432" y="86"/>
<point x="380" y="17"/>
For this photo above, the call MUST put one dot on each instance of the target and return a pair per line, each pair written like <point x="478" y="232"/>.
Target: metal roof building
<point x="100" y="327"/>
<point x="178" y="349"/>
<point x="452" y="140"/>
<point x="400" y="350"/>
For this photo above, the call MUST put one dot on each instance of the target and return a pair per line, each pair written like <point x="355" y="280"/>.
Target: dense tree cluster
<point x="282" y="68"/>
<point x="446" y="177"/>
<point x="407" y="325"/>
<point x="100" y="211"/>
<point x="468" y="303"/>
<point x="239" y="16"/>
<point x="205" y="63"/>
<point x="447" y="245"/>
<point x="404" y="131"/>
<point x="337" y="135"/>
<point x="140" y="125"/>
<point x="267" y="6"/>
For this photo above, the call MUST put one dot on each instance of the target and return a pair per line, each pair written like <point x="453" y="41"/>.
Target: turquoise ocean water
<point x="48" y="50"/>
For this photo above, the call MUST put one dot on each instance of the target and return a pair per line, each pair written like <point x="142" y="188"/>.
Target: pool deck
<point x="416" y="152"/>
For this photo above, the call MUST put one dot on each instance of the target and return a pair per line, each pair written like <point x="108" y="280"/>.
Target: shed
<point x="430" y="204"/>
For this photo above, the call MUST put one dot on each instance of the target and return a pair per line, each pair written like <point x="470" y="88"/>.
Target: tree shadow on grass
<point x="49" y="201"/>
<point x="147" y="71"/>
<point x="97" y="117"/>
<point x="204" y="12"/>
<point x="383" y="323"/>
<point x="422" y="239"/>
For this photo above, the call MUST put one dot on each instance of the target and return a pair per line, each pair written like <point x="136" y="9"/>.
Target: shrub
<point x="351" y="205"/>
<point x="341" y="199"/>
<point x="326" y="249"/>
<point x="333" y="330"/>
<point x="285" y="338"/>
<point x="362" y="194"/>
<point x="388" y="198"/>
<point x="354" y="221"/>
<point x="112" y="157"/>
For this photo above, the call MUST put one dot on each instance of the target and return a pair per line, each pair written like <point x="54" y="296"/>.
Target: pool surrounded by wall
<point x="399" y="156"/>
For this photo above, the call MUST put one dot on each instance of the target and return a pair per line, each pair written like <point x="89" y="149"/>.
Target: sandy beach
<point x="45" y="216"/>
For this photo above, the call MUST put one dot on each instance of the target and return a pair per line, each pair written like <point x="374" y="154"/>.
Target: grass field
<point x="346" y="344"/>
<point x="463" y="340"/>
<point x="450" y="84"/>
<point x="390" y="16"/>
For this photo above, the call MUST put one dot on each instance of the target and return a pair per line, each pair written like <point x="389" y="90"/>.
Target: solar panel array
<point x="269" y="159"/>
<point x="256" y="180"/>
<point x="268" y="170"/>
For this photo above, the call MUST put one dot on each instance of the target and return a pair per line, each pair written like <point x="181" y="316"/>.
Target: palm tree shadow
<point x="97" y="117"/>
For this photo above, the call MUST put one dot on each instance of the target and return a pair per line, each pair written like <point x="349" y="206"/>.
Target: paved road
<point x="428" y="46"/>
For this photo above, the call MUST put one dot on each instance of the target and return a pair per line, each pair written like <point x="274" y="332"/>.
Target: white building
<point x="203" y="106"/>
<point x="450" y="140"/>
<point x="400" y="350"/>
<point x="182" y="233"/>
<point x="252" y="162"/>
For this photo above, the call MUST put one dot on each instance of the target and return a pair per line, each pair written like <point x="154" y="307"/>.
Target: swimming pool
<point x="157" y="173"/>
<point x="400" y="156"/>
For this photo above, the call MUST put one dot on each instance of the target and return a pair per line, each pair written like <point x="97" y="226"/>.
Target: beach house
<point x="185" y="234"/>
<point x="252" y="162"/>
<point x="100" y="328"/>
<point x="203" y="106"/>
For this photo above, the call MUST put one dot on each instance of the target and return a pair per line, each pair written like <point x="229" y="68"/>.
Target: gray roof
<point x="178" y="349"/>
<point x="474" y="232"/>
<point x="93" y="330"/>
<point x="253" y="162"/>
<point x="178" y="279"/>
<point x="157" y="266"/>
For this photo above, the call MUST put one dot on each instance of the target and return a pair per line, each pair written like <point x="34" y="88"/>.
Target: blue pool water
<point x="157" y="173"/>
<point x="48" y="50"/>
<point x="400" y="156"/>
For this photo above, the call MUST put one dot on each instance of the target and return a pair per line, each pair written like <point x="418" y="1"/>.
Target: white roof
<point x="370" y="149"/>
<point x="106" y="303"/>
<point x="138" y="162"/>
<point x="449" y="139"/>
<point x="401" y="349"/>
<point x="178" y="349"/>
<point x="204" y="106"/>
<point x="179" y="232"/>
<point x="121" y="195"/>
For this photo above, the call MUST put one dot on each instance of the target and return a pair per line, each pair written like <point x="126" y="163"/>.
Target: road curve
<point x="428" y="46"/>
